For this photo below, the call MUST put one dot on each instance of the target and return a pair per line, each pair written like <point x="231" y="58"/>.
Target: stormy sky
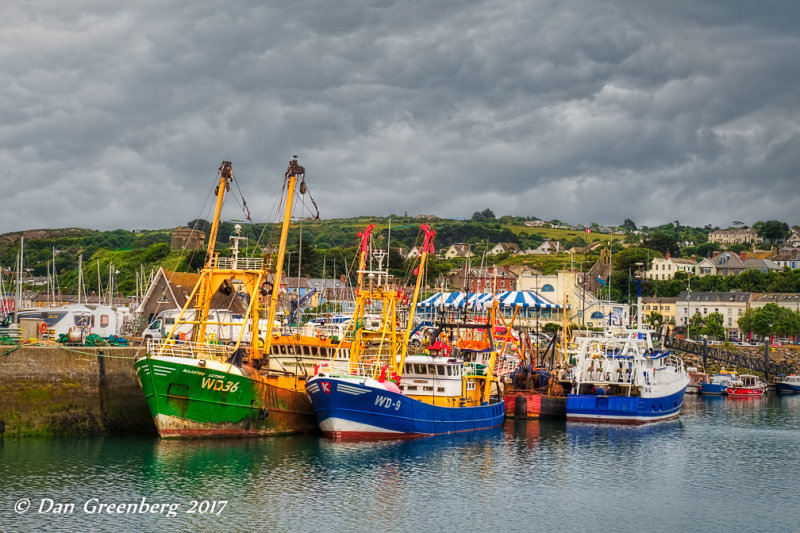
<point x="117" y="114"/>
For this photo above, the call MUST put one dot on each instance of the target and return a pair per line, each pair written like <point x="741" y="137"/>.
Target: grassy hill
<point x="326" y="244"/>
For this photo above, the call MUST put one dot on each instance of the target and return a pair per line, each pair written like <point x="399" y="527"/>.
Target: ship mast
<point x="204" y="298"/>
<point x="427" y="247"/>
<point x="292" y="172"/>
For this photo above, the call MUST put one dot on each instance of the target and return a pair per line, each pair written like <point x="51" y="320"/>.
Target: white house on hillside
<point x="666" y="267"/>
<point x="503" y="247"/>
<point x="458" y="250"/>
<point x="547" y="247"/>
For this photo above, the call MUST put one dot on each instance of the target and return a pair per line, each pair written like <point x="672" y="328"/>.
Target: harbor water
<point x="725" y="465"/>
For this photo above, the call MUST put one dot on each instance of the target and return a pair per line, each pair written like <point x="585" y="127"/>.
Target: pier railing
<point x="706" y="352"/>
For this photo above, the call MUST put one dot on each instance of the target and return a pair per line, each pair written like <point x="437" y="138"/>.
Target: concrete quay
<point x="60" y="391"/>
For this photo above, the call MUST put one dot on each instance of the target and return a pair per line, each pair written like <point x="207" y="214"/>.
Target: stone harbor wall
<point x="54" y="390"/>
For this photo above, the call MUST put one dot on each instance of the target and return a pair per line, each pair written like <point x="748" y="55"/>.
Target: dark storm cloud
<point x="579" y="110"/>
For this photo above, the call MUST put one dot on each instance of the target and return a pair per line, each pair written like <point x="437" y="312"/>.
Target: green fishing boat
<point x="197" y="387"/>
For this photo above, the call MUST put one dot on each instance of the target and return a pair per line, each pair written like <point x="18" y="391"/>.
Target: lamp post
<point x="688" y="303"/>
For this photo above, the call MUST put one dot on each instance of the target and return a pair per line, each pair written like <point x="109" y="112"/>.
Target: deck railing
<point x="193" y="350"/>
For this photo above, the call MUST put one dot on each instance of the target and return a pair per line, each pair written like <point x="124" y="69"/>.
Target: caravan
<point x="81" y="320"/>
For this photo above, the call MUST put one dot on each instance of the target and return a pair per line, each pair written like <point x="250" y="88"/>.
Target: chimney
<point x="694" y="258"/>
<point x="715" y="253"/>
<point x="743" y="255"/>
<point x="666" y="256"/>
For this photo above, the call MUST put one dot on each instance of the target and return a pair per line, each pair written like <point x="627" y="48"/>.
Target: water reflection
<point x="523" y="473"/>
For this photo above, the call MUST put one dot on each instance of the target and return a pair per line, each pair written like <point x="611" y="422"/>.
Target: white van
<point x="165" y="322"/>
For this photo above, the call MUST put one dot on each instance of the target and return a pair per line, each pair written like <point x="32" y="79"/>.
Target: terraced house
<point x="666" y="267"/>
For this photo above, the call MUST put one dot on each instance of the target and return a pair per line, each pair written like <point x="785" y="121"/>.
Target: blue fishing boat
<point x="620" y="378"/>
<point x="382" y="392"/>
<point x="717" y="385"/>
<point x="787" y="384"/>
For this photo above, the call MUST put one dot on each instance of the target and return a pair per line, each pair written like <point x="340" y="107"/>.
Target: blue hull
<point x="623" y="409"/>
<point x="786" y="388"/>
<point x="351" y="410"/>
<point x="713" y="389"/>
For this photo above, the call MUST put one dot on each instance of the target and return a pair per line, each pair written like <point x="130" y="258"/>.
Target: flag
<point x="600" y="280"/>
<point x="588" y="230"/>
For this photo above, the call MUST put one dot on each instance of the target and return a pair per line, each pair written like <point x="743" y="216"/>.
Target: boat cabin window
<point x="412" y="387"/>
<point x="419" y="369"/>
<point x="427" y="389"/>
<point x="440" y="370"/>
<point x="83" y="321"/>
<point x="449" y="370"/>
<point x="440" y="389"/>
<point x="104" y="321"/>
<point x="470" y="385"/>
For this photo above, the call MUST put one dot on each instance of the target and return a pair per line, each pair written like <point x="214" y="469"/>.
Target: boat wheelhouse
<point x="746" y="386"/>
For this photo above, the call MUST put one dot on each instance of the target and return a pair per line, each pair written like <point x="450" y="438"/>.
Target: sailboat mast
<point x="18" y="295"/>
<point x="291" y="176"/>
<point x="80" y="278"/>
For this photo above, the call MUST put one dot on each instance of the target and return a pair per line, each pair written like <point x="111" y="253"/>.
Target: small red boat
<point x="747" y="386"/>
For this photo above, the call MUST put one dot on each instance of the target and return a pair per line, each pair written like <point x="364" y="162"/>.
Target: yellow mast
<point x="426" y="247"/>
<point x="361" y="296"/>
<point x="291" y="178"/>
<point x="204" y="298"/>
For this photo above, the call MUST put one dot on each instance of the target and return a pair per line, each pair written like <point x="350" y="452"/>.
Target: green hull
<point x="189" y="400"/>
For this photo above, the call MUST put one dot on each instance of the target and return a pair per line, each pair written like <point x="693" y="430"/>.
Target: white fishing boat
<point x="622" y="378"/>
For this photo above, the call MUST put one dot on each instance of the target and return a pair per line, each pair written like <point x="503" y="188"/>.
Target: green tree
<point x="772" y="230"/>
<point x="713" y="326"/>
<point x="766" y="320"/>
<point x="551" y="328"/>
<point x="747" y="320"/>
<point x="664" y="242"/>
<point x="696" y="323"/>
<point x="753" y="281"/>
<point x="656" y="320"/>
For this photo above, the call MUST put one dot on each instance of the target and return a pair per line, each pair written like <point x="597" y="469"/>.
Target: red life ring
<point x="43" y="328"/>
